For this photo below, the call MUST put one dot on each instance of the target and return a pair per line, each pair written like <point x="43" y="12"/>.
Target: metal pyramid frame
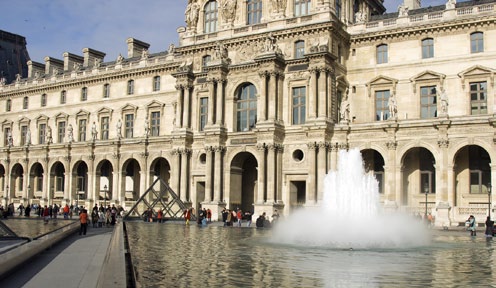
<point x="165" y="199"/>
<point x="6" y="232"/>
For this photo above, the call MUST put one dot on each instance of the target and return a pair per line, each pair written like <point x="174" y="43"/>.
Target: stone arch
<point x="130" y="183"/>
<point x="16" y="184"/>
<point x="373" y="162"/>
<point x="160" y="168"/>
<point x="57" y="181"/>
<point x="104" y="174"/>
<point x="36" y="181"/>
<point x="243" y="172"/>
<point x="2" y="180"/>
<point x="80" y="183"/>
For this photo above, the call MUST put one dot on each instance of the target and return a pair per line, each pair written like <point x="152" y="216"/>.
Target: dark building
<point x="13" y="56"/>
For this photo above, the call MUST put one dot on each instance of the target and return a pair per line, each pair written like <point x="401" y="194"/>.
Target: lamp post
<point x="489" y="199"/>
<point x="426" y="191"/>
<point x="105" y="199"/>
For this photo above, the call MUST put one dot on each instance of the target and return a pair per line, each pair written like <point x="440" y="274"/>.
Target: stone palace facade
<point x="251" y="108"/>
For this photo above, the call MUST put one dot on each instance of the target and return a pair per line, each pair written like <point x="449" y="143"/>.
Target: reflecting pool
<point x="175" y="255"/>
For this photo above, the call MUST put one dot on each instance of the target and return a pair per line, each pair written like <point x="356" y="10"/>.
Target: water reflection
<point x="179" y="256"/>
<point x="33" y="228"/>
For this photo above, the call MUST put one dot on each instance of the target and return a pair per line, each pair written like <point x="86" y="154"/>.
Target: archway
<point x="131" y="183"/>
<point x="16" y="181"/>
<point x="2" y="181"/>
<point x="373" y="162"/>
<point x="419" y="179"/>
<point x="104" y="181"/>
<point x="57" y="175"/>
<point x="35" y="185"/>
<point x="80" y="181"/>
<point x="243" y="180"/>
<point x="160" y="168"/>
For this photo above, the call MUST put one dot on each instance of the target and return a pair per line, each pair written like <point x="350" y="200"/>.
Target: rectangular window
<point x="59" y="183"/>
<point x="60" y="132"/>
<point x="130" y="87"/>
<point x="63" y="97"/>
<point x="210" y="15"/>
<point x="84" y="94"/>
<point x="6" y="135"/>
<point x="299" y="49"/>
<point x="426" y="182"/>
<point x="25" y="103"/>
<point x="82" y="130"/>
<point x="106" y="91"/>
<point x="427" y="48"/>
<point x="301" y="7"/>
<point x="382" y="54"/>
<point x="477" y="42"/>
<point x="43" y="100"/>
<point x="338" y="9"/>
<point x="381" y="105"/>
<point x="129" y="125"/>
<point x="254" y="11"/>
<point x="478" y="98"/>
<point x="104" y="128"/>
<point x="155" y="123"/>
<point x="8" y="105"/>
<point x="203" y="112"/>
<point x="299" y="105"/>
<point x="41" y="133"/>
<point x="24" y="132"/>
<point x="428" y="102"/>
<point x="156" y="83"/>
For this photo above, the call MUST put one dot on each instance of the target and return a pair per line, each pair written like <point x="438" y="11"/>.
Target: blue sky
<point x="52" y="27"/>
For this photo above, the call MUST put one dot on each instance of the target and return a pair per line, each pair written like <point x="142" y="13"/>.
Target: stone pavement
<point x="74" y="262"/>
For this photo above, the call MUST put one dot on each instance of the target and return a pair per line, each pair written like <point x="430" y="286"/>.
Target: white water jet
<point x="350" y="215"/>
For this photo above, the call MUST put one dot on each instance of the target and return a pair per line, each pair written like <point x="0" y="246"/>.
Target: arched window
<point x="8" y="105"/>
<point x="84" y="94"/>
<point x="211" y="13"/>
<point x="299" y="49"/>
<point x="427" y="48"/>
<point x="205" y="60"/>
<point x="25" y="103"/>
<point x="156" y="83"/>
<point x="130" y="87"/>
<point x="63" y="97"/>
<point x="246" y="108"/>
<point x="43" y="100"/>
<point x="477" y="42"/>
<point x="382" y="54"/>
<point x="106" y="90"/>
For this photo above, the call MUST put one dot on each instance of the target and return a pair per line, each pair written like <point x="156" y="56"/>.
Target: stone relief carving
<point x="228" y="10"/>
<point x="191" y="14"/>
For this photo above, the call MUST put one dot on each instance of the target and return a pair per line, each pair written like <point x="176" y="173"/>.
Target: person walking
<point x="239" y="216"/>
<point x="248" y="218"/>
<point x="83" y="219"/>
<point x="471" y="225"/>
<point x="489" y="227"/>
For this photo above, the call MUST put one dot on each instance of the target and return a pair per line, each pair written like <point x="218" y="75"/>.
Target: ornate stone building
<point x="251" y="108"/>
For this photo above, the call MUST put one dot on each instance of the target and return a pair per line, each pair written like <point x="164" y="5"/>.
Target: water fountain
<point x="350" y="215"/>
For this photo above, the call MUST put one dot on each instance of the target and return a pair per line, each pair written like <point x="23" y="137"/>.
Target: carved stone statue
<point x="172" y="49"/>
<point x="191" y="13"/>
<point x="3" y="81"/>
<point x="220" y="52"/>
<point x="10" y="140"/>
<point x="279" y="6"/>
<point x="147" y="127"/>
<point x="450" y="4"/>
<point x="70" y="135"/>
<point x="49" y="139"/>
<point x="119" y="59"/>
<point x="28" y="137"/>
<point x="443" y="98"/>
<point x="360" y="17"/>
<point x="76" y="66"/>
<point x="18" y="78"/>
<point x="229" y="10"/>
<point x="118" y="127"/>
<point x="270" y="44"/>
<point x="94" y="132"/>
<point x="144" y="54"/>
<point x="98" y="62"/>
<point x="402" y="10"/>
<point x="345" y="109"/>
<point x="393" y="108"/>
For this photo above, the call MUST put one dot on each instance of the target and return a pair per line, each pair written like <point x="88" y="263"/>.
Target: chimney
<point x="135" y="47"/>
<point x="92" y="56"/>
<point x="70" y="60"/>
<point x="52" y="64"/>
<point x="35" y="69"/>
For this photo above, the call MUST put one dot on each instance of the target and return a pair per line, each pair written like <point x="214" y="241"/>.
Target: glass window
<point x="82" y="130"/>
<point x="246" y="108"/>
<point x="427" y="48"/>
<point x="106" y="91"/>
<point x="301" y="7"/>
<point x="8" y="105"/>
<point x="476" y="42"/>
<point x="299" y="105"/>
<point x="478" y="98"/>
<point x="41" y="133"/>
<point x="382" y="54"/>
<point x="338" y="9"/>
<point x="381" y="105"/>
<point x="43" y="100"/>
<point x="104" y="128"/>
<point x="130" y="87"/>
<point x="203" y="112"/>
<point x="205" y="60"/>
<point x="299" y="49"/>
<point x="156" y="83"/>
<point x="24" y="132"/>
<point x="155" y="123"/>
<point x="428" y="102"/>
<point x="25" y="103"/>
<point x="254" y="11"/>
<point x="129" y="118"/>
<point x="211" y="12"/>
<point x="60" y="131"/>
<point x="63" y="97"/>
<point x="6" y="133"/>
<point x="84" y="94"/>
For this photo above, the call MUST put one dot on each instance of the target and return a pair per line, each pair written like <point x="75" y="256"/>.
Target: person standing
<point x="239" y="216"/>
<point x="160" y="215"/>
<point x="489" y="227"/>
<point x="83" y="220"/>
<point x="472" y="225"/>
<point x="248" y="218"/>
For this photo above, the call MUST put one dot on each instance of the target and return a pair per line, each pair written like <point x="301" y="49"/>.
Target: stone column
<point x="184" y="174"/>
<point x="115" y="188"/>
<point x="91" y="186"/>
<point x="334" y="156"/>
<point x="311" y="192"/>
<point x="451" y="185"/>
<point x="218" y="173"/>
<point x="321" y="169"/>
<point x="186" y="92"/>
<point x="208" y="174"/>
<point x="279" y="184"/>
<point x="272" y="96"/>
<point x="280" y="95"/>
<point x="262" y="107"/>
<point x="219" y="119"/>
<point x="261" y="175"/>
<point x="176" y="171"/>
<point x="179" y="107"/>
<point x="211" y="96"/>
<point x="312" y="101"/>
<point x="271" y="172"/>
<point x="322" y="106"/>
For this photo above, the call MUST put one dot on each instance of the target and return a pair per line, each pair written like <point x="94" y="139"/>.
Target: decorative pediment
<point x="62" y="116"/>
<point x="82" y="114"/>
<point x="42" y="118"/>
<point x="129" y="108"/>
<point x="477" y="72"/>
<point x="6" y="123"/>
<point x="105" y="110"/>
<point x="24" y="120"/>
<point x="427" y="76"/>
<point x="155" y="105"/>
<point x="383" y="81"/>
